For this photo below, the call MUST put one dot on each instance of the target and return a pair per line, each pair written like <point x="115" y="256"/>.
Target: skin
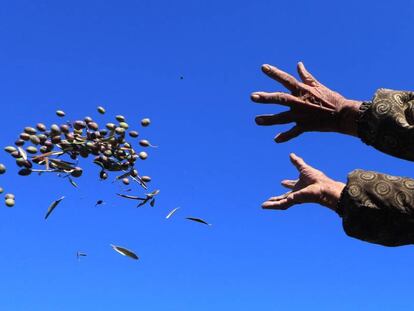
<point x="313" y="107"/>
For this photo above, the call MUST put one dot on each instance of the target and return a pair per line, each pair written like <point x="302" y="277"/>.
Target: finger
<point x="282" y="77"/>
<point x="288" y="135"/>
<point x="281" y="98"/>
<point x="282" y="204"/>
<point x="305" y="75"/>
<point x="280" y="118"/>
<point x="288" y="183"/>
<point x="279" y="197"/>
<point x="298" y="162"/>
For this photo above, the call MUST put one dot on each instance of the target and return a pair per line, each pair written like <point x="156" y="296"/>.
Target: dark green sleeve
<point x="387" y="123"/>
<point x="378" y="208"/>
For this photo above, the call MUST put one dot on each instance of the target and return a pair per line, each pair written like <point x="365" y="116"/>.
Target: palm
<point x="309" y="187"/>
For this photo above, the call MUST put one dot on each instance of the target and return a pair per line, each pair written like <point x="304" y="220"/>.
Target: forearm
<point x="378" y="208"/>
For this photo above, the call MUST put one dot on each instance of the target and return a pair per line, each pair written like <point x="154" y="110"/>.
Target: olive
<point x="1" y="190"/>
<point x="55" y="129"/>
<point x="41" y="127"/>
<point x="145" y="122"/>
<point x="60" y="113"/>
<point x="64" y="128"/>
<point x="9" y="196"/>
<point x="133" y="173"/>
<point x="79" y="125"/>
<point x="133" y="134"/>
<point x="10" y="149"/>
<point x="44" y="149"/>
<point x="19" y="142"/>
<point x="110" y="126"/>
<point x="143" y="155"/>
<point x="25" y="172"/>
<point x="93" y="126"/>
<point x="103" y="175"/>
<point x="120" y="130"/>
<point x="2" y="169"/>
<point x="124" y="125"/>
<point x="31" y="149"/>
<point x="77" y="172"/>
<point x="10" y="202"/>
<point x="101" y="110"/>
<point x="34" y="139"/>
<point x="30" y="130"/>
<point x="144" y="143"/>
<point x="25" y="136"/>
<point x="56" y="139"/>
<point x="120" y="118"/>
<point x="125" y="181"/>
<point x="146" y="178"/>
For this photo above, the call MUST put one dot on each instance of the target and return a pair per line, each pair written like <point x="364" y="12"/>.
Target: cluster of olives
<point x="41" y="149"/>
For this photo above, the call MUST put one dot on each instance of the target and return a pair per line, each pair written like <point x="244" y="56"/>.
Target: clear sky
<point x="212" y="160"/>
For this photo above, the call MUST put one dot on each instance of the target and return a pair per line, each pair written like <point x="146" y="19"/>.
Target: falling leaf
<point x="198" y="220"/>
<point x="125" y="252"/>
<point x="172" y="212"/>
<point x="72" y="182"/>
<point x="99" y="202"/>
<point x="52" y="207"/>
<point x="153" y="194"/>
<point x="131" y="197"/>
<point x="23" y="153"/>
<point x="80" y="254"/>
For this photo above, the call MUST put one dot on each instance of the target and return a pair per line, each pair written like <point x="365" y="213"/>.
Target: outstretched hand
<point x="313" y="106"/>
<point x="313" y="186"/>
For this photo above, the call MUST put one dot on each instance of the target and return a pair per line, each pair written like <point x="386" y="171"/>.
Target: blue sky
<point x="213" y="161"/>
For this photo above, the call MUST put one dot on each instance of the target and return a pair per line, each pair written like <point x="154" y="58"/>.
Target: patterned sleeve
<point x="378" y="208"/>
<point x="387" y="123"/>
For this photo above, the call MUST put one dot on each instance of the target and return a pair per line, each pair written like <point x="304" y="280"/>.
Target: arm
<point x="374" y="207"/>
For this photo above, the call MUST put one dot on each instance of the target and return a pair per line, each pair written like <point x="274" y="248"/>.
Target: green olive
<point x="101" y="110"/>
<point x="10" y="202"/>
<point x="2" y="169"/>
<point x="145" y="122"/>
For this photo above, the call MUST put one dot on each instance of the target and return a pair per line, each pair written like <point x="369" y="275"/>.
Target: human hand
<point x="313" y="106"/>
<point x="313" y="186"/>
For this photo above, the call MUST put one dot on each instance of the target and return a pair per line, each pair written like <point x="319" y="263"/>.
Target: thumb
<point x="306" y="77"/>
<point x="297" y="162"/>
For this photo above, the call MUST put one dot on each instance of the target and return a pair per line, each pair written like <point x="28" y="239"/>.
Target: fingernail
<point x="265" y="67"/>
<point x="255" y="96"/>
<point x="276" y="138"/>
<point x="259" y="121"/>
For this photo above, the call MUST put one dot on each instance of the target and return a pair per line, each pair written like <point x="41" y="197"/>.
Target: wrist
<point x="348" y="117"/>
<point x="331" y="192"/>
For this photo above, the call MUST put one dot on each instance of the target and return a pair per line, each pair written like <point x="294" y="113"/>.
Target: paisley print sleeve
<point x="387" y="123"/>
<point x="378" y="208"/>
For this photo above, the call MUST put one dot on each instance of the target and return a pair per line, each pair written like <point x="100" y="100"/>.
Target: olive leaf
<point x="172" y="212"/>
<point x="131" y="197"/>
<point x="198" y="220"/>
<point x="152" y="203"/>
<point x="73" y="183"/>
<point x="22" y="153"/>
<point x="52" y="207"/>
<point x="125" y="252"/>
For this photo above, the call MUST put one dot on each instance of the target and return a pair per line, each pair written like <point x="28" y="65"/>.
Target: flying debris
<point x="99" y="202"/>
<point x="198" y="220"/>
<point x="125" y="252"/>
<point x="80" y="254"/>
<point x="172" y="213"/>
<point x="52" y="207"/>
